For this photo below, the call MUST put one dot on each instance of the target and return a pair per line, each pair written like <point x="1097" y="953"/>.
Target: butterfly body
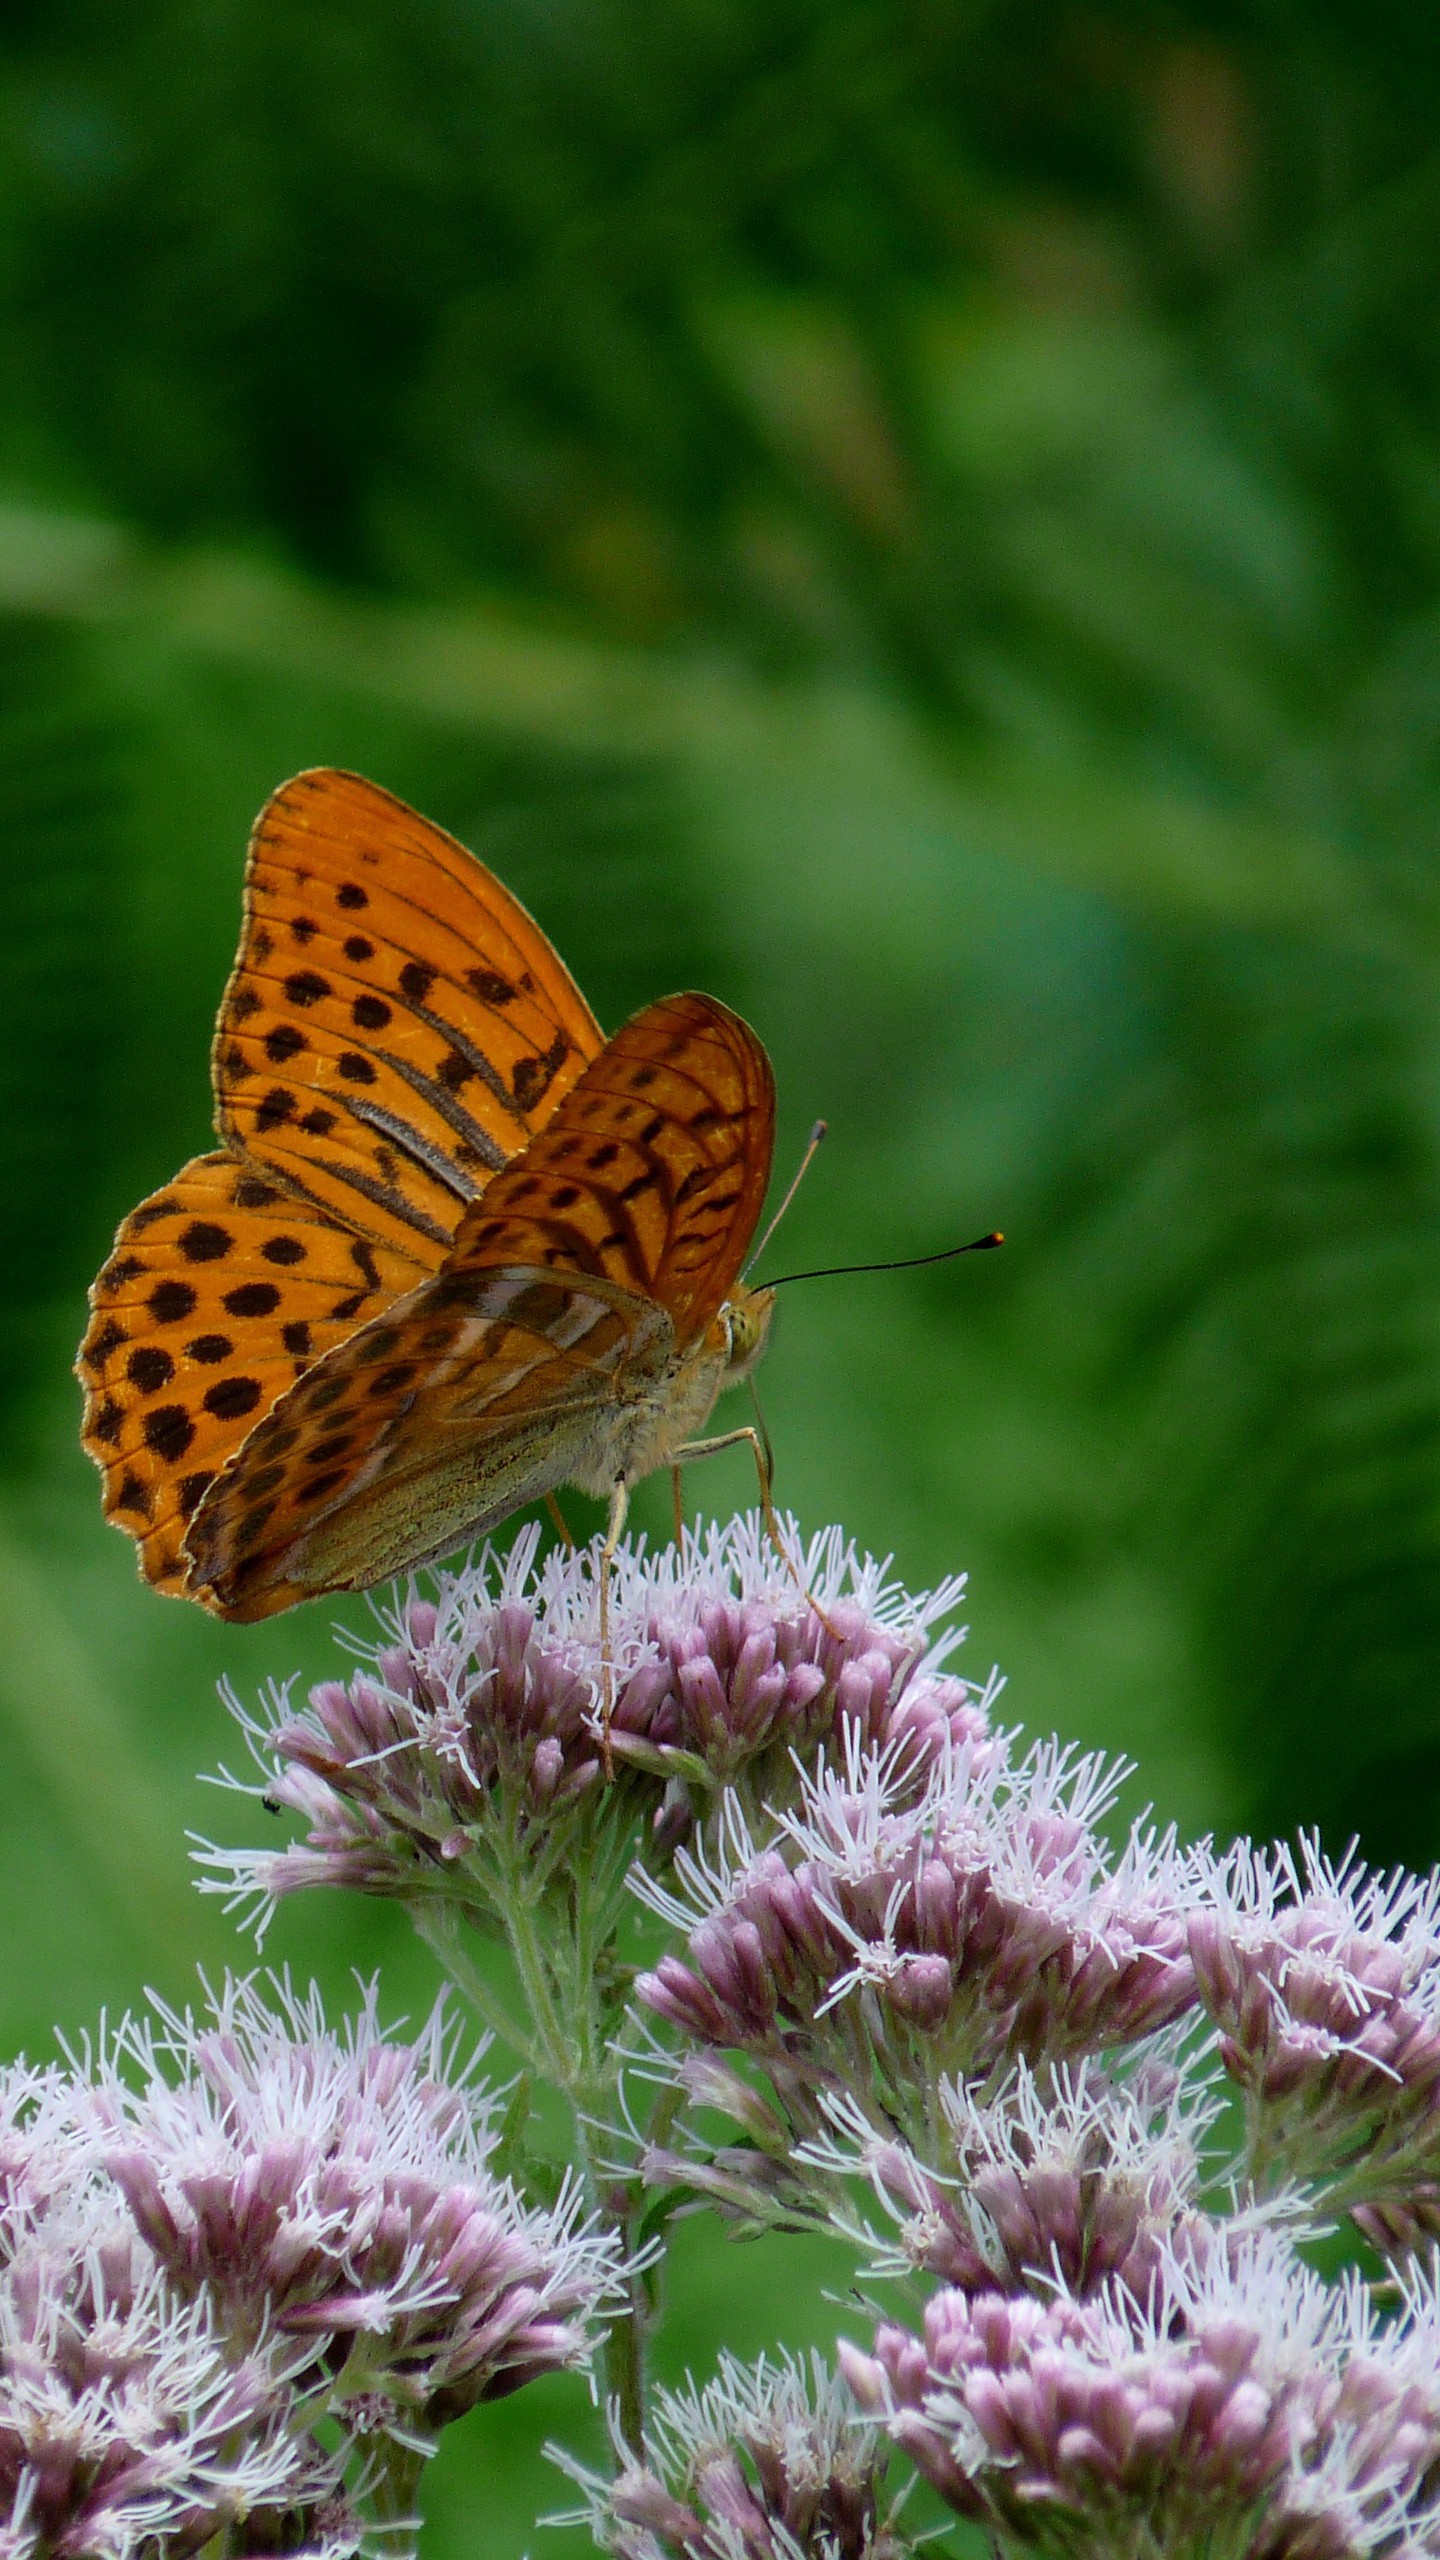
<point x="456" y="1249"/>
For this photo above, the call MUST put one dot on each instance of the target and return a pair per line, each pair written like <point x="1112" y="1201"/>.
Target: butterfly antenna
<point x="812" y="1144"/>
<point x="911" y="1262"/>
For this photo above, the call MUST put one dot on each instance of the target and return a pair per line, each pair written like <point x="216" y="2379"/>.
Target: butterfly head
<point x="745" y="1321"/>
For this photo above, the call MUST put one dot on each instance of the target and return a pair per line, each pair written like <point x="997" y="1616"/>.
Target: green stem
<point x="553" y="2036"/>
<point x="395" y="2496"/>
<point x="565" y="2011"/>
<point x="437" y="1924"/>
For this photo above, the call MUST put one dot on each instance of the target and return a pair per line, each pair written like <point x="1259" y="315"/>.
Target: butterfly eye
<point x="746" y="1323"/>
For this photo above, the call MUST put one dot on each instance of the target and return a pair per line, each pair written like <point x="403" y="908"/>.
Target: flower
<point x="336" y="2189"/>
<point x="482" y="1704"/>
<point x="896" y="1932"/>
<point x="1324" y="1982"/>
<point x="1067" y="2178"/>
<point x="128" y="2420"/>
<point x="1243" y="2407"/>
<point x="45" y="2149"/>
<point x="765" y="2463"/>
<point x="747" y="1662"/>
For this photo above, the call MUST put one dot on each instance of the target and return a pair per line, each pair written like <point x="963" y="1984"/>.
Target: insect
<point x="454" y="1250"/>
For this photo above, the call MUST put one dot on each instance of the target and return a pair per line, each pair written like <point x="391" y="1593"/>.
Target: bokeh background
<point x="920" y="516"/>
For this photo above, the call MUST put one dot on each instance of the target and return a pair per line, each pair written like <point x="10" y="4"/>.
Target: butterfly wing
<point x="653" y="1170"/>
<point x="221" y="1290"/>
<point x="471" y="1397"/>
<point x="396" y="1026"/>
<point x="602" y="1251"/>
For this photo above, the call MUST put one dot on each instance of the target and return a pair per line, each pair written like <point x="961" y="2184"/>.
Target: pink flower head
<point x="1324" y="1982"/>
<point x="919" y="1930"/>
<point x="739" y="1673"/>
<point x="767" y="2461"/>
<point x="129" y="2422"/>
<point x="1074" y="2177"/>
<point x="335" y="2189"/>
<point x="1243" y="2406"/>
<point x="483" y="1703"/>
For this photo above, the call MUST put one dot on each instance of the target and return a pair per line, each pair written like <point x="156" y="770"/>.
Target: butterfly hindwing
<point x="221" y="1290"/>
<point x="651" y="1172"/>
<point x="468" y="1398"/>
<point x="396" y="1026"/>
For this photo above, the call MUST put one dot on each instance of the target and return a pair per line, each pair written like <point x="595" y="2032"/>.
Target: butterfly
<point x="455" y="1248"/>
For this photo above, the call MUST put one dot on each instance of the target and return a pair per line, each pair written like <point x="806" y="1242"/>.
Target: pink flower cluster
<point x="767" y="2462"/>
<point x="902" y="1926"/>
<point x="1244" y="2406"/>
<point x="128" y="2421"/>
<point x="1324" y="1982"/>
<point x="898" y="1951"/>
<point x="484" y="1703"/>
<point x="227" y="2233"/>
<point x="337" y="2189"/>
<point x="1076" y="2177"/>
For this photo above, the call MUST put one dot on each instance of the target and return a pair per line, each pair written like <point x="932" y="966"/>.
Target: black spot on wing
<point x="229" y="1398"/>
<point x="252" y="1298"/>
<point x="171" y="1301"/>
<point x="168" y="1430"/>
<point x="149" y="1368"/>
<point x="533" y="1077"/>
<point x="204" y="1241"/>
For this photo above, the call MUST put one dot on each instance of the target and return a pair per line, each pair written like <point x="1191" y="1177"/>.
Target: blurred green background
<point x="923" y="519"/>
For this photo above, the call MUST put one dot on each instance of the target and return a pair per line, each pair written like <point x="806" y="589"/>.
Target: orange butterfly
<point x="455" y="1249"/>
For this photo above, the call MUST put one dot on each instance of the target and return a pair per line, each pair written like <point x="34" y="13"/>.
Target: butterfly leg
<point x="562" y="1525"/>
<point x="677" y="1492"/>
<point x="764" y="1469"/>
<point x="619" y="1506"/>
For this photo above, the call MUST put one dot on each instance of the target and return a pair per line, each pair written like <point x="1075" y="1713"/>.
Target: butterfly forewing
<point x="467" y="1399"/>
<point x="396" y="1026"/>
<point x="653" y="1170"/>
<point x="221" y="1290"/>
